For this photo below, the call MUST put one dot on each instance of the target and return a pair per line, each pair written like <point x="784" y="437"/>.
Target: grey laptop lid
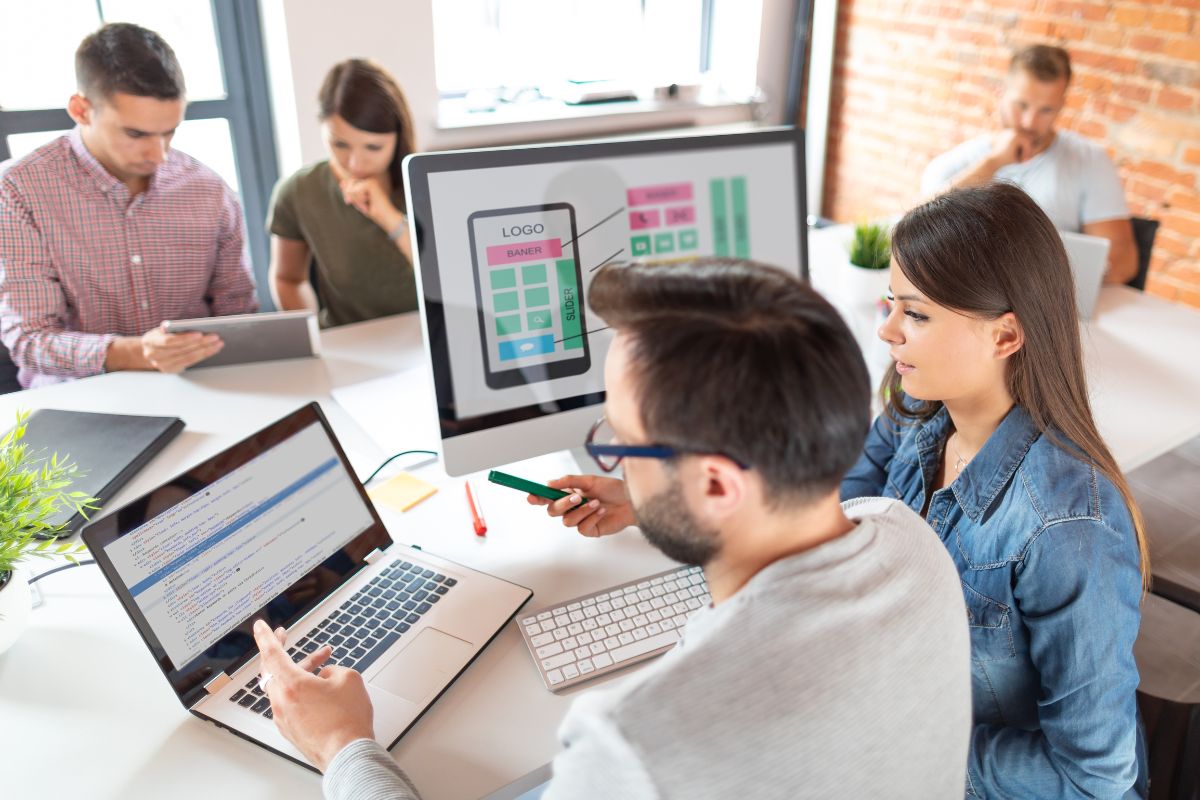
<point x="1089" y="261"/>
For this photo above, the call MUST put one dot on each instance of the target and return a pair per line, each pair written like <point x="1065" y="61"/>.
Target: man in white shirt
<point x="834" y="660"/>
<point x="1071" y="178"/>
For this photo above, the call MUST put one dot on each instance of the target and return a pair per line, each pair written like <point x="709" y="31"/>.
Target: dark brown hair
<point x="1044" y="62"/>
<point x="366" y="96"/>
<point x="122" y="58"/>
<point x="989" y="250"/>
<point x="742" y="359"/>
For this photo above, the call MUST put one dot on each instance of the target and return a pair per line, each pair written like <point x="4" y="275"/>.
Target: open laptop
<point x="1089" y="261"/>
<point x="277" y="527"/>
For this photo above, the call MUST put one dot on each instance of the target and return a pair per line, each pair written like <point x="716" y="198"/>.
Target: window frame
<point x="246" y="107"/>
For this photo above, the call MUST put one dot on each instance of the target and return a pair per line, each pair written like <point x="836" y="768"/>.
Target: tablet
<point x="256" y="337"/>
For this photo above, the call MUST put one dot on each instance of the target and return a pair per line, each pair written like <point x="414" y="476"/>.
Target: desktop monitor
<point x="507" y="240"/>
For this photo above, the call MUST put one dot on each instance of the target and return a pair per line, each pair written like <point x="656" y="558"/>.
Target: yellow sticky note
<point x="401" y="492"/>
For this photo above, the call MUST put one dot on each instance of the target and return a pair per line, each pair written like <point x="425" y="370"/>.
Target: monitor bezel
<point x="417" y="169"/>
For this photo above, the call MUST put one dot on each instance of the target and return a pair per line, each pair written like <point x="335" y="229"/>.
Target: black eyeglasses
<point x="608" y="456"/>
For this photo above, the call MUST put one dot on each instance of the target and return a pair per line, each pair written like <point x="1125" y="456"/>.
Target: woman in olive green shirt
<point x="339" y="235"/>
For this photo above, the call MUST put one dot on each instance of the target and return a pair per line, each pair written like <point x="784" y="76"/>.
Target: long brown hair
<point x="366" y="96"/>
<point x="986" y="251"/>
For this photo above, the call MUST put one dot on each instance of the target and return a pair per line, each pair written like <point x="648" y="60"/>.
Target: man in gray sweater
<point x="834" y="660"/>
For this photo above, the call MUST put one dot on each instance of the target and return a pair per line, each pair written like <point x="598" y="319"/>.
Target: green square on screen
<point x="540" y="319"/>
<point x="640" y="245"/>
<point x="508" y="325"/>
<point x="506" y="301"/>
<point x="504" y="279"/>
<point x="664" y="243"/>
<point x="688" y="240"/>
<point x="533" y="273"/>
<point x="537" y="297"/>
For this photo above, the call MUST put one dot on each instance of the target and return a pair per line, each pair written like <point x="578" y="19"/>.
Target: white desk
<point x="84" y="711"/>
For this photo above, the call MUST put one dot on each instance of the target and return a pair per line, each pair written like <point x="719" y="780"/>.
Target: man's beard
<point x="668" y="524"/>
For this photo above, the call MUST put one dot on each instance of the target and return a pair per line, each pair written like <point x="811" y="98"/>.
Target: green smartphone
<point x="529" y="487"/>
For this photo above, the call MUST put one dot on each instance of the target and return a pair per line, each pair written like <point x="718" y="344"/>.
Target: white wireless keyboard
<point x="599" y="633"/>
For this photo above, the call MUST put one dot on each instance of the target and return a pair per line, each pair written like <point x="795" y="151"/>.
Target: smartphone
<point x="529" y="294"/>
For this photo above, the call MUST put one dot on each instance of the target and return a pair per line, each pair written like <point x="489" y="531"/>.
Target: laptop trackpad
<point x="425" y="666"/>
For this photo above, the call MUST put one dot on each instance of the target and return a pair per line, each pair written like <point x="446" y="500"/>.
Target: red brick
<point x="1192" y="4"/>
<point x="1104" y="61"/>
<point x="1184" y="200"/>
<point x="1091" y="82"/>
<point x="1189" y="297"/>
<point x="1187" y="49"/>
<point x="1169" y="242"/>
<point x="1147" y="43"/>
<point x="1108" y="37"/>
<point x="1151" y="192"/>
<point x="1091" y="129"/>
<point x="1173" y="100"/>
<point x="1156" y="170"/>
<point x="1113" y="111"/>
<point x="1156" y="286"/>
<point x="1069" y="32"/>
<point x="1130" y="17"/>
<point x="1191" y="155"/>
<point x="1093" y="12"/>
<point x="1173" y="21"/>
<point x="1130" y="91"/>
<point x="1183" y="224"/>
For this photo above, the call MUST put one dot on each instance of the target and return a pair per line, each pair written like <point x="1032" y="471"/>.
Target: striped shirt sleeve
<point x="363" y="770"/>
<point x="232" y="287"/>
<point x="32" y="302"/>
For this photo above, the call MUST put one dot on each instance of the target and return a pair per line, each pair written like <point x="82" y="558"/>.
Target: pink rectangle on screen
<point x="524" y="251"/>
<point x="655" y="195"/>
<point x="681" y="215"/>
<point x="644" y="219"/>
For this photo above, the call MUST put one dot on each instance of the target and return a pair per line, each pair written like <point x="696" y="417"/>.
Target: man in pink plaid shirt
<point x="107" y="232"/>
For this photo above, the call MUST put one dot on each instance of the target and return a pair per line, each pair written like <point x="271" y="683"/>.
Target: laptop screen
<point x="267" y="528"/>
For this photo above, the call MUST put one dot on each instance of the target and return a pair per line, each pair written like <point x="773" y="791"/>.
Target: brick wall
<point x="914" y="77"/>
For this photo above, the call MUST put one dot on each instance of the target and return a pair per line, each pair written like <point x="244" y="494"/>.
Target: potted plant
<point x="34" y="487"/>
<point x="870" y="259"/>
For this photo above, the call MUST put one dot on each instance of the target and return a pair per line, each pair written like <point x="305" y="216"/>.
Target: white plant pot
<point x="866" y="286"/>
<point x="16" y="603"/>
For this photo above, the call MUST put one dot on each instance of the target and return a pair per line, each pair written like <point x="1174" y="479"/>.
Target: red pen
<point x="476" y="511"/>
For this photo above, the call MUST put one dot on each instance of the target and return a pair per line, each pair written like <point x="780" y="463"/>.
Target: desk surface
<point x="87" y="714"/>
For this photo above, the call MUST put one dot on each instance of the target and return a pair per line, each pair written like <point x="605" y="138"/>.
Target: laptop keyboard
<point x="599" y="633"/>
<point x="366" y="625"/>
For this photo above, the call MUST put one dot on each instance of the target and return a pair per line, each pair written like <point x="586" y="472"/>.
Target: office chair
<point x="1169" y="697"/>
<point x="1144" y="231"/>
<point x="8" y="373"/>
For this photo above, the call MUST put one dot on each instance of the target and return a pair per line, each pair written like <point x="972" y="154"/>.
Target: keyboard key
<point x="355" y="609"/>
<point x="429" y="574"/>
<point x="333" y="628"/>
<point x="441" y="590"/>
<point x="602" y="660"/>
<point x="402" y="627"/>
<point x="639" y="634"/>
<point x="423" y="608"/>
<point x="269" y="714"/>
<point x="585" y="666"/>
<point x="569" y="643"/>
<point x="358" y="652"/>
<point x="552" y="649"/>
<point x="390" y="594"/>
<point x="421" y="595"/>
<point x="438" y="577"/>
<point x="389" y="623"/>
<point x="393" y="605"/>
<point x="404" y="565"/>
<point x="247" y="701"/>
<point x="372" y="623"/>
<point x="262" y="705"/>
<point x="570" y="671"/>
<point x="336" y="641"/>
<point x="647" y="645"/>
<point x="554" y="677"/>
<point x="554" y="662"/>
<point x="311" y="647"/>
<point x="379" y="649"/>
<point x="433" y="598"/>
<point x="298" y="657"/>
<point x="380" y="603"/>
<point x="375" y="592"/>
<point x="238" y="695"/>
<point x="412" y="618"/>
<point x="450" y="582"/>
<point x="358" y="621"/>
<point x="561" y="633"/>
<point x="340" y="653"/>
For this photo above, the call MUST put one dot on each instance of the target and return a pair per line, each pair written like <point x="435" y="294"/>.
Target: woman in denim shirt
<point x="988" y="434"/>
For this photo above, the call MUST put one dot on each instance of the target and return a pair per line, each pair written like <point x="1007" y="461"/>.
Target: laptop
<point x="277" y="527"/>
<point x="1089" y="261"/>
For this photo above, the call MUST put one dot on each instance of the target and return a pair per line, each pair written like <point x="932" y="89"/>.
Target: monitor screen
<point x="509" y="238"/>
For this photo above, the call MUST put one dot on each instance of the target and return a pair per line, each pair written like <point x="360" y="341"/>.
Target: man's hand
<point x="175" y="352"/>
<point x="1010" y="146"/>
<point x="320" y="714"/>
<point x="608" y="509"/>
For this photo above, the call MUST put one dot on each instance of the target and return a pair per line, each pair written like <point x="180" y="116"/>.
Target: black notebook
<point x="108" y="448"/>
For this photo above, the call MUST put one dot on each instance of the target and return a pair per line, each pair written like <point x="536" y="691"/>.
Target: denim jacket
<point x="1050" y="571"/>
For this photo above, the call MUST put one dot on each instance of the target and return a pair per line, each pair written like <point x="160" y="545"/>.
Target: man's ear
<point x="80" y="109"/>
<point x="1008" y="336"/>
<point x="721" y="487"/>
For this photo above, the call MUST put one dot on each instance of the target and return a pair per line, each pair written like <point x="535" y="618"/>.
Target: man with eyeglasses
<point x="834" y="660"/>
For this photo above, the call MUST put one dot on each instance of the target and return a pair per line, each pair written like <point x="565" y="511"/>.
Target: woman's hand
<point x="608" y="509"/>
<point x="372" y="201"/>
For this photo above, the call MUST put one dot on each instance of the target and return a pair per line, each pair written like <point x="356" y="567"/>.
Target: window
<point x="515" y="51"/>
<point x="228" y="124"/>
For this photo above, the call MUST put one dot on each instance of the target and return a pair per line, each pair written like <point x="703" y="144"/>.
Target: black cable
<point x="393" y="458"/>
<point x="48" y="572"/>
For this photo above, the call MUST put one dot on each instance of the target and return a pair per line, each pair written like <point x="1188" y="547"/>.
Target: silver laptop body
<point x="1089" y="261"/>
